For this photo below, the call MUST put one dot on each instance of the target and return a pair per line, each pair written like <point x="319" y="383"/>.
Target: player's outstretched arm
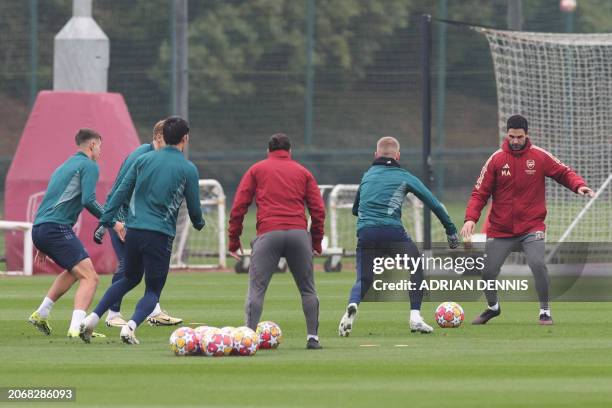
<point x="316" y="208"/>
<point x="123" y="192"/>
<point x="192" y="197"/>
<point x="242" y="201"/>
<point x="419" y="189"/>
<point x="565" y="175"/>
<point x="478" y="199"/>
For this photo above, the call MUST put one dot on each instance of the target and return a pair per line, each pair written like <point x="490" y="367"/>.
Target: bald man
<point x="378" y="208"/>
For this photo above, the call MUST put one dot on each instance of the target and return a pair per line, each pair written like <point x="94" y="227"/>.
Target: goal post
<point x="205" y="249"/>
<point x="24" y="228"/>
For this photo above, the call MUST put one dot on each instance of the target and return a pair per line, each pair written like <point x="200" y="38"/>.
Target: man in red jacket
<point x="515" y="177"/>
<point x="280" y="187"/>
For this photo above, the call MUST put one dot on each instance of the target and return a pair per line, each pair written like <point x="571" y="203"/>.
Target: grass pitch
<point x="512" y="362"/>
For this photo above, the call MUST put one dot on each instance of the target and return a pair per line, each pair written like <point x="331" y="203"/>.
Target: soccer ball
<point x="245" y="342"/>
<point x="200" y="331"/>
<point x="183" y="341"/>
<point x="229" y="330"/>
<point x="269" y="334"/>
<point x="216" y="343"/>
<point x="449" y="314"/>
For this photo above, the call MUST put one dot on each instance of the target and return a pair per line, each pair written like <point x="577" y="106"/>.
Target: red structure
<point x="47" y="141"/>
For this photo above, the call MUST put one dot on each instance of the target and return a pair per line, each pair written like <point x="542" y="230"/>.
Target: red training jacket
<point x="515" y="181"/>
<point x="281" y="187"/>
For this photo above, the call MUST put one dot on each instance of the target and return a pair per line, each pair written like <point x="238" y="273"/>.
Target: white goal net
<point x="562" y="84"/>
<point x="206" y="248"/>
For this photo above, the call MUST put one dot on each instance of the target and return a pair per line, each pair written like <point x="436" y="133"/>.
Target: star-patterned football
<point x="449" y="314"/>
<point x="245" y="341"/>
<point x="270" y="335"/>
<point x="183" y="341"/>
<point x="217" y="343"/>
<point x="230" y="330"/>
<point x="200" y="331"/>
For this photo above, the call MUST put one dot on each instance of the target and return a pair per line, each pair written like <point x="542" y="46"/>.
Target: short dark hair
<point x="279" y="141"/>
<point x="517" y="122"/>
<point x="174" y="130"/>
<point x="85" y="135"/>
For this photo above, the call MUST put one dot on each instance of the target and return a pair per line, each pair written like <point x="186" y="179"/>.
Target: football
<point x="183" y="341"/>
<point x="216" y="343"/>
<point x="245" y="342"/>
<point x="200" y="331"/>
<point x="449" y="314"/>
<point x="269" y="334"/>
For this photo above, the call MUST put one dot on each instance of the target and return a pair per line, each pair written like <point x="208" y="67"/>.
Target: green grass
<point x="511" y="362"/>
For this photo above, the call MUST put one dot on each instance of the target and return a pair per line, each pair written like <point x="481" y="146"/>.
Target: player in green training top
<point x="378" y="208"/>
<point x="157" y="184"/>
<point x="158" y="317"/>
<point x="71" y="188"/>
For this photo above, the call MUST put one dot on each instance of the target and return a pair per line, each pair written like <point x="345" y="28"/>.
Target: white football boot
<point x="417" y="324"/>
<point x="128" y="336"/>
<point x="346" y="323"/>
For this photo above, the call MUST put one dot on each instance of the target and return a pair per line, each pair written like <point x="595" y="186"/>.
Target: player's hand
<point x="237" y="254"/>
<point x="585" y="191"/>
<point x="453" y="241"/>
<point x="120" y="230"/>
<point x="316" y="252"/>
<point x="468" y="230"/>
<point x="99" y="234"/>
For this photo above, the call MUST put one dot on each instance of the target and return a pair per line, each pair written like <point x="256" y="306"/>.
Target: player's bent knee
<point x="85" y="271"/>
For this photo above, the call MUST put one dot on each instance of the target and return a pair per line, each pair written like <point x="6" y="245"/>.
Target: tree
<point x="233" y="43"/>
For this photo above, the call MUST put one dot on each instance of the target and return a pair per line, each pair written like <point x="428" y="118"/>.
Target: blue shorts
<point x="59" y="243"/>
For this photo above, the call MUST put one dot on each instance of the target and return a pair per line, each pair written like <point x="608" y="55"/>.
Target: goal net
<point x="206" y="248"/>
<point x="562" y="83"/>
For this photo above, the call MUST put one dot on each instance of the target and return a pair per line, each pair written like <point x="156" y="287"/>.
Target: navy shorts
<point x="59" y="243"/>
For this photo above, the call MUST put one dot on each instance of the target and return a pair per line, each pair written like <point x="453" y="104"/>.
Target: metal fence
<point x="333" y="74"/>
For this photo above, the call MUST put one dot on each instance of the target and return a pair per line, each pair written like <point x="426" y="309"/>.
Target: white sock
<point x="111" y="315"/>
<point x="545" y="311"/>
<point x="312" y="336"/>
<point x="77" y="318"/>
<point x="132" y="325"/>
<point x="415" y="315"/>
<point x="156" y="311"/>
<point x="92" y="320"/>
<point x="45" y="307"/>
<point x="495" y="307"/>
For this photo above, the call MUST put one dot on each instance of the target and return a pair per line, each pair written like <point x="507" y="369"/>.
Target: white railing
<point x="28" y="246"/>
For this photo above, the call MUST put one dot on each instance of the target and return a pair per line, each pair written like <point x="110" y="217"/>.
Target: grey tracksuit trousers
<point x="498" y="249"/>
<point x="296" y="247"/>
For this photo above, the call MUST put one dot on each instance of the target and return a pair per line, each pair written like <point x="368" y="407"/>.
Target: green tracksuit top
<point x="125" y="166"/>
<point x="72" y="186"/>
<point x="381" y="194"/>
<point x="155" y="186"/>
